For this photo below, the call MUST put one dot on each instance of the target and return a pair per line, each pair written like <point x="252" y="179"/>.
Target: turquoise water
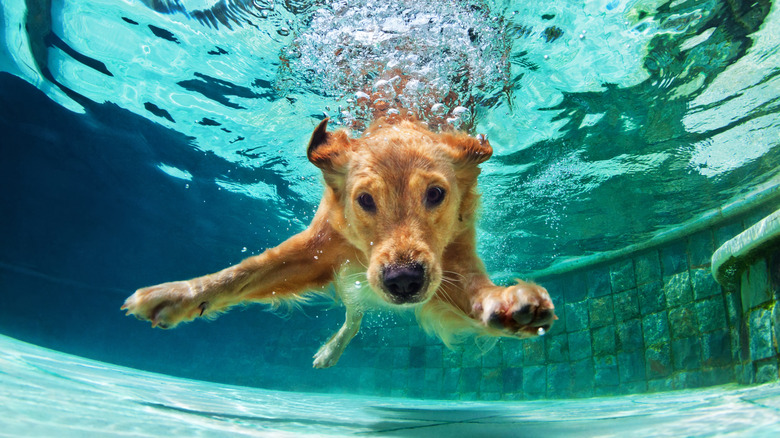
<point x="146" y="141"/>
<point x="46" y="393"/>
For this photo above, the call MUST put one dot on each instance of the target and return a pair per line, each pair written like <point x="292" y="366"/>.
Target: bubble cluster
<point x="431" y="59"/>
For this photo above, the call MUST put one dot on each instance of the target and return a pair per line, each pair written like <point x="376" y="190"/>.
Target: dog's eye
<point x="366" y="202"/>
<point x="434" y="196"/>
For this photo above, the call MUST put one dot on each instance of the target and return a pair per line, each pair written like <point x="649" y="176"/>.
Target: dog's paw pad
<point x="522" y="310"/>
<point x="326" y="356"/>
<point x="164" y="305"/>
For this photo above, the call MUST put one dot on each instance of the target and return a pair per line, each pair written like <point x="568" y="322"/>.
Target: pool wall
<point x="652" y="320"/>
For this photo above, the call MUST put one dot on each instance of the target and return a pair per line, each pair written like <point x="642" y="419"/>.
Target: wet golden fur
<point x="419" y="225"/>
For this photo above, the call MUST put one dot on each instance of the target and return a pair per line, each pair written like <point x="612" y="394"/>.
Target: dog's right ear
<point x="329" y="150"/>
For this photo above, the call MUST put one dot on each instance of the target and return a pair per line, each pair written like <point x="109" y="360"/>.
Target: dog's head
<point x="400" y="195"/>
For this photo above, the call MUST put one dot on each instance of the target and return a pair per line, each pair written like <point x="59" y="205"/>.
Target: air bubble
<point x="439" y="109"/>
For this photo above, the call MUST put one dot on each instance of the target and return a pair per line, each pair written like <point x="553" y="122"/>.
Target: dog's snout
<point x="404" y="281"/>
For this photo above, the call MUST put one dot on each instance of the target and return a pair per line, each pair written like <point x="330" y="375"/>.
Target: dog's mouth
<point x="406" y="283"/>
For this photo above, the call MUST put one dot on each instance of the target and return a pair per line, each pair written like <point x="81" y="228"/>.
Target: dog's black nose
<point x="403" y="281"/>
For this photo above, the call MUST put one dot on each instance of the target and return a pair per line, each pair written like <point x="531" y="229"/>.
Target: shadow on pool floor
<point x="47" y="393"/>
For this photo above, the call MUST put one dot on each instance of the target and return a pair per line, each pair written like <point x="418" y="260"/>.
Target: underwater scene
<point x="633" y="173"/>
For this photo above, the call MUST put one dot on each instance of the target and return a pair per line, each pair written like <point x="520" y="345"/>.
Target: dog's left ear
<point x="329" y="151"/>
<point x="467" y="150"/>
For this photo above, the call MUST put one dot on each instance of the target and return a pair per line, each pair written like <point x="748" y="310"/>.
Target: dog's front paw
<point x="522" y="310"/>
<point x="165" y="305"/>
<point x="327" y="356"/>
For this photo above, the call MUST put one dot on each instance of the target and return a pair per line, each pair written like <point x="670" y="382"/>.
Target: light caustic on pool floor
<point x="47" y="393"/>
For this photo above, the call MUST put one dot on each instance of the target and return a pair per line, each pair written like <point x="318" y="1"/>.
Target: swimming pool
<point x="146" y="141"/>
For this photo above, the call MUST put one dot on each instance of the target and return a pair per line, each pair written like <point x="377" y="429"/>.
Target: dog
<point x="395" y="229"/>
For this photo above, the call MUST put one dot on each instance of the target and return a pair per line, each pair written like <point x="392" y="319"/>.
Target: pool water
<point x="145" y="141"/>
<point x="47" y="393"/>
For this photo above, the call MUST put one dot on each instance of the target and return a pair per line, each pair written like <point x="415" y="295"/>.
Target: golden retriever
<point x="395" y="229"/>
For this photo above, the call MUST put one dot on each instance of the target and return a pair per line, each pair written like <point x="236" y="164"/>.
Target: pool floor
<point x="48" y="393"/>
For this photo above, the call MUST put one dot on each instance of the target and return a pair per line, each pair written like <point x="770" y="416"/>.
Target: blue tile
<point x="434" y="356"/>
<point x="416" y="356"/>
<point x="401" y="379"/>
<point x="434" y="378"/>
<point x="716" y="348"/>
<point x="711" y="314"/>
<point x="704" y="284"/>
<point x="727" y="232"/>
<point x="533" y="351"/>
<point x="600" y="311"/>
<point x="472" y="355"/>
<point x="631" y="366"/>
<point x="598" y="282"/>
<point x="512" y="352"/>
<point x="559" y="380"/>
<point x="468" y="395"/>
<point x="606" y="371"/>
<point x="745" y="374"/>
<point x="575" y="287"/>
<point x="604" y="342"/>
<point x="535" y="380"/>
<point x="660" y="385"/>
<point x="733" y="308"/>
<point x="648" y="267"/>
<point x="576" y="316"/>
<point x="674" y="259"/>
<point x="682" y="321"/>
<point x="450" y="380"/>
<point x="655" y="329"/>
<point x="689" y="379"/>
<point x="686" y="354"/>
<point x="626" y="305"/>
<point x="678" y="289"/>
<point x="417" y="382"/>
<point x="651" y="297"/>
<point x="418" y="337"/>
<point x="451" y="358"/>
<point x="384" y="357"/>
<point x="760" y="330"/>
<point x="755" y="287"/>
<point x="492" y="381"/>
<point x="629" y="335"/>
<point x="700" y="248"/>
<point x="658" y="361"/>
<point x="559" y="326"/>
<point x="582" y="377"/>
<point x="401" y="357"/>
<point x="470" y="379"/>
<point x="513" y="380"/>
<point x="622" y="275"/>
<point x="766" y="372"/>
<point x="718" y="376"/>
<point x="557" y="348"/>
<point x="399" y="336"/>
<point x="580" y="345"/>
<point x="492" y="358"/>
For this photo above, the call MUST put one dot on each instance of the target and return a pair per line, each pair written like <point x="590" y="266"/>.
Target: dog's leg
<point x="304" y="262"/>
<point x="330" y="352"/>
<point x="520" y="310"/>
